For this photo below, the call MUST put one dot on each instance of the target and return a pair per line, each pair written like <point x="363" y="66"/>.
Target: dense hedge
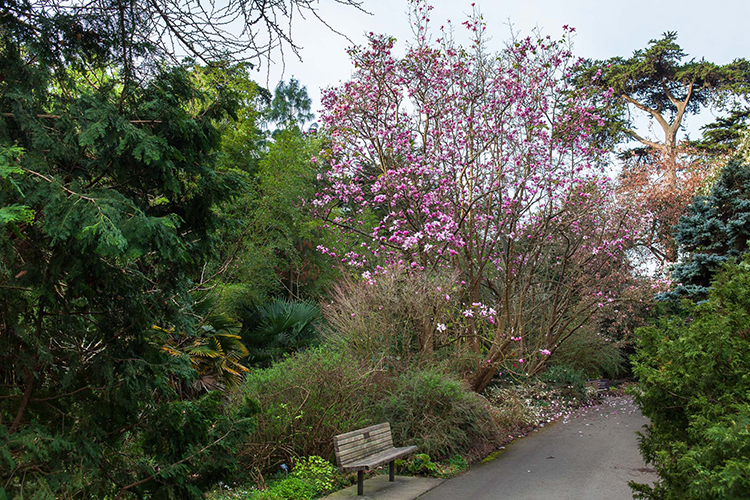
<point x="694" y="372"/>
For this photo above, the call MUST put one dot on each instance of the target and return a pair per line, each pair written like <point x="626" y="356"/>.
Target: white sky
<point x="717" y="30"/>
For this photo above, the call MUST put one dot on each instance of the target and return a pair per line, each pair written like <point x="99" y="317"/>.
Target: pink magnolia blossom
<point x="481" y="163"/>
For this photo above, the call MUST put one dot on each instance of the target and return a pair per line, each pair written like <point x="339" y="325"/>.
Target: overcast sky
<point x="717" y="30"/>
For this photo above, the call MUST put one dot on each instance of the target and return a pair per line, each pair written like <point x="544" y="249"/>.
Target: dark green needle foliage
<point x="715" y="229"/>
<point x="665" y="84"/>
<point x="290" y="108"/>
<point x="725" y="134"/>
<point x="693" y="370"/>
<point x="107" y="210"/>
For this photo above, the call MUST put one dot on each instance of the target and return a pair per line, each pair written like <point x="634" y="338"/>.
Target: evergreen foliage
<point x="109" y="189"/>
<point x="290" y="108"/>
<point x="658" y="81"/>
<point x="716" y="229"/>
<point x="694" y="387"/>
<point x="725" y="134"/>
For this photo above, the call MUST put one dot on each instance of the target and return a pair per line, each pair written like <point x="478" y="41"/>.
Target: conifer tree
<point x="108" y="199"/>
<point x="659" y="82"/>
<point x="715" y="230"/>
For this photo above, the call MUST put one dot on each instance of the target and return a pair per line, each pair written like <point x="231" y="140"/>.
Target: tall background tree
<point x="660" y="177"/>
<point x="658" y="82"/>
<point x="290" y="106"/>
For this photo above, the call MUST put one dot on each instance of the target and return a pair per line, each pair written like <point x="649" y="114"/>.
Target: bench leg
<point x="360" y="483"/>
<point x="392" y="471"/>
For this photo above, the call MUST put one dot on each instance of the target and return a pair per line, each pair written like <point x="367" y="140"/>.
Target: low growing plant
<point x="513" y="410"/>
<point x="316" y="471"/>
<point x="419" y="465"/>
<point x="291" y="488"/>
<point x="458" y="463"/>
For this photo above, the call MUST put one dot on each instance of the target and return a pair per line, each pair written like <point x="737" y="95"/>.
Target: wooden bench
<point x="367" y="448"/>
<point x="600" y="385"/>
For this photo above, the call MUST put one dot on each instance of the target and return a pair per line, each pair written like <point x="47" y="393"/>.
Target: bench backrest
<point x="355" y="445"/>
<point x="602" y="383"/>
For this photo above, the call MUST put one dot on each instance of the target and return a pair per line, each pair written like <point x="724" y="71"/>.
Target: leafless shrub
<point x="396" y="319"/>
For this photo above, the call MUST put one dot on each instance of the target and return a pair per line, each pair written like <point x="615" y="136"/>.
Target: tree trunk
<point x="482" y="377"/>
<point x="426" y="339"/>
<point x="669" y="156"/>
<point x="29" y="376"/>
<point x="670" y="164"/>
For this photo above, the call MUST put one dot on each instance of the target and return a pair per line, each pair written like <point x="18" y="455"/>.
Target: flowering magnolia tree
<point x="455" y="157"/>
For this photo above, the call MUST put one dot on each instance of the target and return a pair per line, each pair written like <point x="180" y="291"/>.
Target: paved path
<point x="588" y="456"/>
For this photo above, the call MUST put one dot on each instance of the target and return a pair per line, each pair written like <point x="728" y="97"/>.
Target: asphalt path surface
<point x="589" y="455"/>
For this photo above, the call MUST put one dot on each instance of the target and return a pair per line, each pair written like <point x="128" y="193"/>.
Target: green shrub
<point x="694" y="373"/>
<point x="314" y="395"/>
<point x="437" y="413"/>
<point x="419" y="465"/>
<point x="592" y="353"/>
<point x="317" y="472"/>
<point x="305" y="400"/>
<point x="571" y="381"/>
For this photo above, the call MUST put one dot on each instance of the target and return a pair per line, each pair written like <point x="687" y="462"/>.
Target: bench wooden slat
<point x="354" y="457"/>
<point x="382" y="442"/>
<point x="364" y="451"/>
<point x="381" y="458"/>
<point x="341" y="441"/>
<point x="355" y="445"/>
<point x="371" y="429"/>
